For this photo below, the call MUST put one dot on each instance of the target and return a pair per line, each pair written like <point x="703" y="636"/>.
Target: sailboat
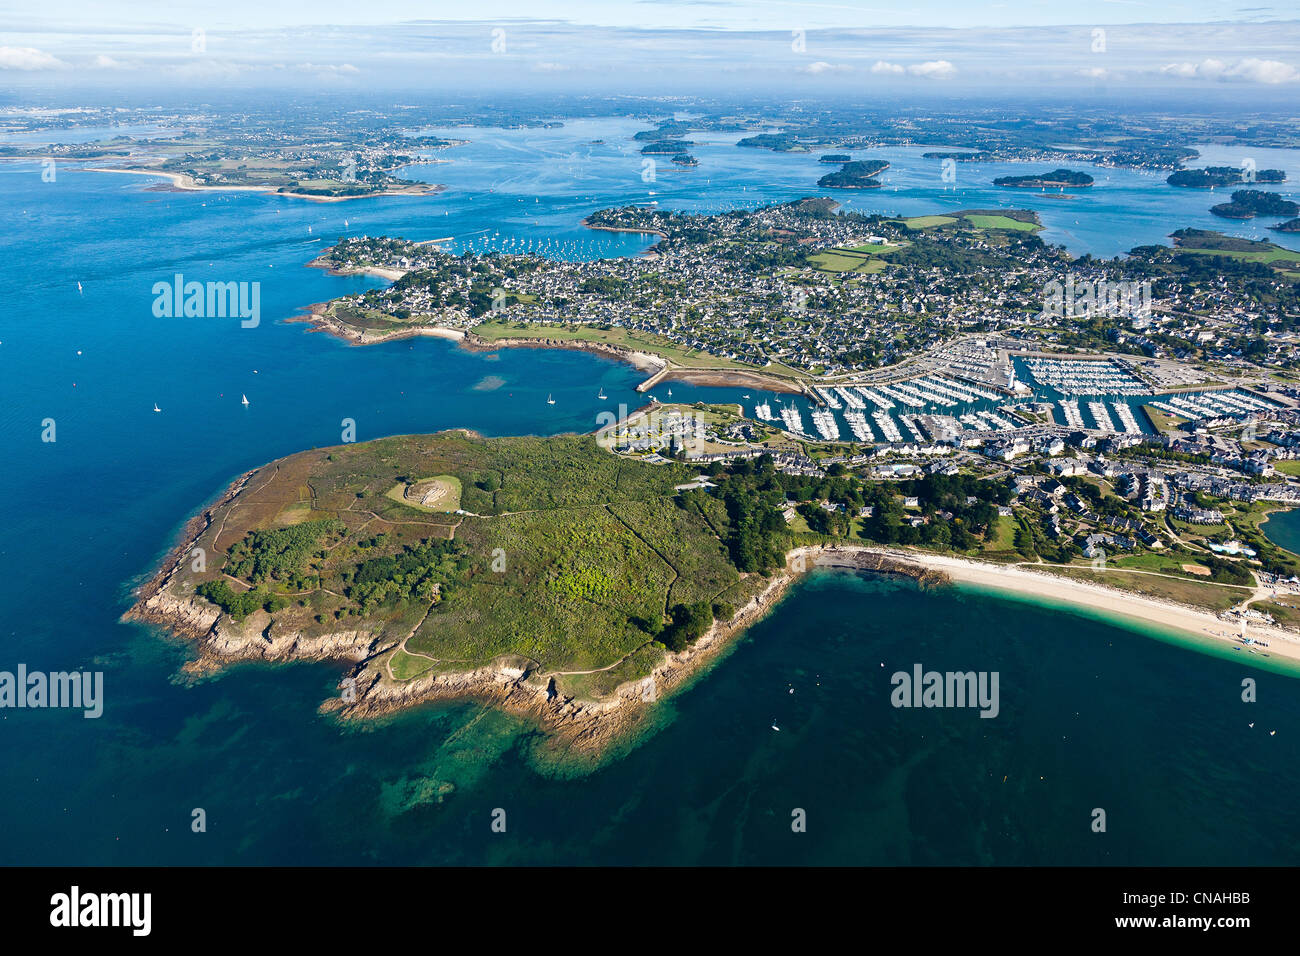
<point x="156" y="408"/>
<point x="78" y="286"/>
<point x="345" y="223"/>
<point x="549" y="400"/>
<point x="601" y="395"/>
<point x="243" y="399"/>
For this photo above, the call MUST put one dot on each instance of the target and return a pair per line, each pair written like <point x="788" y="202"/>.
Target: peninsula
<point x="566" y="581"/>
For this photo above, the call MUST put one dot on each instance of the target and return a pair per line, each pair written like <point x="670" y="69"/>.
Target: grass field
<point x="1000" y="222"/>
<point x="856" y="260"/>
<point x="1284" y="614"/>
<point x="1268" y="255"/>
<point x="1162" y="422"/>
<point x="1190" y="591"/>
<point x="570" y="557"/>
<point x="1002" y="536"/>
<point x="927" y="222"/>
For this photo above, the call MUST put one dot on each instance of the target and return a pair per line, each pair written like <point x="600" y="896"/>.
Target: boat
<point x="243" y="400"/>
<point x="549" y="400"/>
<point x="601" y="395"/>
<point x="78" y="286"/>
<point x="156" y="408"/>
<point x="774" y="726"/>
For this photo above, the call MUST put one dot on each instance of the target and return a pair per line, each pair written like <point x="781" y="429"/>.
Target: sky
<point x="663" y="45"/>
<point x="647" y="14"/>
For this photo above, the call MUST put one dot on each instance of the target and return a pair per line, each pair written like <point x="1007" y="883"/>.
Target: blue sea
<point x="1094" y="714"/>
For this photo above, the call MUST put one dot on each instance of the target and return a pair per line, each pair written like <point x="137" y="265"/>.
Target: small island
<point x="1249" y="203"/>
<point x="1212" y="176"/>
<point x="961" y="156"/>
<point x="685" y="159"/>
<point x="859" y="174"/>
<point x="1055" y="178"/>
<point x="836" y="159"/>
<point x="665" y="147"/>
<point x="777" y="142"/>
<point x="1291" y="225"/>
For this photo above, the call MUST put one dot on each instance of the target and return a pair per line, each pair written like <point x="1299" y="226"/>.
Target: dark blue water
<point x="1283" y="529"/>
<point x="1160" y="738"/>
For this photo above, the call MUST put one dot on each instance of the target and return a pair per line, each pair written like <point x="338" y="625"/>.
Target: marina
<point x="1085" y="377"/>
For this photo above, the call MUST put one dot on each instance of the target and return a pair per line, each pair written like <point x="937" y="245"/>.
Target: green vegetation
<point x="574" y="558"/>
<point x="859" y="174"/>
<point x="1057" y="177"/>
<point x="238" y="604"/>
<point x="928" y="222"/>
<point x="1212" y="176"/>
<point x="1203" y="242"/>
<point x="1190" y="591"/>
<point x="421" y="572"/>
<point x="779" y="142"/>
<point x="1000" y="222"/>
<point x="278" y="553"/>
<point x="1249" y="203"/>
<point x="851" y="260"/>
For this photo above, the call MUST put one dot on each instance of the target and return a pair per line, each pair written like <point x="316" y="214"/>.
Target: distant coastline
<point x="183" y="182"/>
<point x="644" y="360"/>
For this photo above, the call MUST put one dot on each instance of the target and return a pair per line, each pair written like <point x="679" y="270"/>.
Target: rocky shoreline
<point x="581" y="728"/>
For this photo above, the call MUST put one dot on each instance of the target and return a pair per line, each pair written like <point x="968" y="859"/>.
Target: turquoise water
<point x="1283" y="529"/>
<point x="1154" y="733"/>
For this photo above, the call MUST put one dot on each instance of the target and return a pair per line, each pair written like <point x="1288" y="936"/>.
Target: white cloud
<point x="1264" y="71"/>
<point x="28" y="58"/>
<point x="328" y="68"/>
<point x="1095" y="73"/>
<point x="545" y="66"/>
<point x="102" y="62"/>
<point x="1249" y="70"/>
<point x="821" y="66"/>
<point x="934" y="69"/>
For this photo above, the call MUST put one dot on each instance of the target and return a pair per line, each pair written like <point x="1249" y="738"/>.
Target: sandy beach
<point x="1043" y="586"/>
